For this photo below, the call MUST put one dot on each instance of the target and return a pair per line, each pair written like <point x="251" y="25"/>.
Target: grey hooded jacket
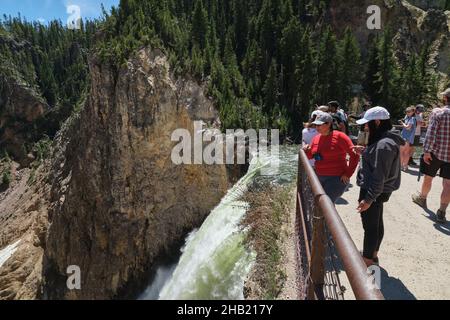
<point x="380" y="171"/>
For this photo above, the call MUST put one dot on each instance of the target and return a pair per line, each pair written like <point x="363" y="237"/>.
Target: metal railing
<point x="325" y="246"/>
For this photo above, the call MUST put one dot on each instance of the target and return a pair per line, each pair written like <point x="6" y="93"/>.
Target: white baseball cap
<point x="377" y="113"/>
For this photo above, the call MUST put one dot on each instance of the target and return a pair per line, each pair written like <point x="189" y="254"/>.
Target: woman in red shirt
<point x="330" y="149"/>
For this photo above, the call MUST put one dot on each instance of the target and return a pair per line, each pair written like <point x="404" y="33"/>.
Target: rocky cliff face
<point x="115" y="200"/>
<point x="412" y="27"/>
<point x="119" y="200"/>
<point x="20" y="108"/>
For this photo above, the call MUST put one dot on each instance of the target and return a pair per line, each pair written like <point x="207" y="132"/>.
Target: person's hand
<point x="306" y="147"/>
<point x="427" y="158"/>
<point x="363" y="206"/>
<point x="358" y="149"/>
<point x="345" y="179"/>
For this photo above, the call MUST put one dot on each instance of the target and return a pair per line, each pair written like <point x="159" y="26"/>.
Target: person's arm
<point x="354" y="157"/>
<point x="308" y="148"/>
<point x="408" y="126"/>
<point x="383" y="162"/>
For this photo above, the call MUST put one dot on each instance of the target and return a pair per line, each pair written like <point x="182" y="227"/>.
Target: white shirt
<point x="308" y="135"/>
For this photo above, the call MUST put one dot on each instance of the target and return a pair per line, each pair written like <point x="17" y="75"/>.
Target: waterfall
<point x="215" y="262"/>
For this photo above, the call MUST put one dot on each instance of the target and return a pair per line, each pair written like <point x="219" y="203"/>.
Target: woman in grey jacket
<point x="379" y="175"/>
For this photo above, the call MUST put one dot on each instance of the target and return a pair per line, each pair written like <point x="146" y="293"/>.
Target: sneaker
<point x="417" y="199"/>
<point x="440" y="217"/>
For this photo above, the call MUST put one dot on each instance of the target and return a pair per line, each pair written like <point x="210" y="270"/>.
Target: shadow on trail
<point x="393" y="288"/>
<point x="342" y="201"/>
<point x="444" y="228"/>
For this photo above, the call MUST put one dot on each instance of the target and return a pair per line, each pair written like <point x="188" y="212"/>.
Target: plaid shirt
<point x="437" y="140"/>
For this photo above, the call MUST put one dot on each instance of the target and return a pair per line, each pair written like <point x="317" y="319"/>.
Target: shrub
<point x="6" y="178"/>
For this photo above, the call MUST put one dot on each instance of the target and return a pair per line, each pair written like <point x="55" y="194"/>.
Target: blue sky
<point x="46" y="10"/>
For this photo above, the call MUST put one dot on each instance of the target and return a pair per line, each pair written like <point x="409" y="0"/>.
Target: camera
<point x="318" y="157"/>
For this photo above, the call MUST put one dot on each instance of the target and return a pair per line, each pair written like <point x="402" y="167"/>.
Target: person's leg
<point x="405" y="155"/>
<point x="445" y="196"/>
<point x="402" y="156"/>
<point x="445" y="199"/>
<point x="426" y="186"/>
<point x="429" y="171"/>
<point x="411" y="152"/>
<point x="380" y="230"/>
<point x="371" y="224"/>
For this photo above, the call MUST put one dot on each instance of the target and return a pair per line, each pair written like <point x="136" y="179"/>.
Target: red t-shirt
<point x="333" y="150"/>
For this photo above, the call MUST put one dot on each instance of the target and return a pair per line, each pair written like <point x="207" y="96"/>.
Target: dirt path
<point x="415" y="254"/>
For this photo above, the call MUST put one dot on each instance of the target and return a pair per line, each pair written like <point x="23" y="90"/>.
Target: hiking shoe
<point x="417" y="199"/>
<point x="440" y="217"/>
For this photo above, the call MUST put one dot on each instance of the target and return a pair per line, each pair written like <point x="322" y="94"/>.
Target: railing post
<point x="317" y="267"/>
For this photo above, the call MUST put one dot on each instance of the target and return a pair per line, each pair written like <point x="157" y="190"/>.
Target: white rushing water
<point x="7" y="252"/>
<point x="215" y="262"/>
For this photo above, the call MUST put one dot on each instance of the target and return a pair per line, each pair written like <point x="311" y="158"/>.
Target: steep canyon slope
<point x="115" y="201"/>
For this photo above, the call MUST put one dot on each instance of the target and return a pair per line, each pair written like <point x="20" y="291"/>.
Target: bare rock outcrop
<point x="123" y="201"/>
<point x="411" y="27"/>
<point x="111" y="200"/>
<point x="20" y="108"/>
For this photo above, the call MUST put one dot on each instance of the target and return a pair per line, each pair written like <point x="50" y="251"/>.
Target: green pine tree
<point x="200" y="24"/>
<point x="350" y="66"/>
<point x="387" y="74"/>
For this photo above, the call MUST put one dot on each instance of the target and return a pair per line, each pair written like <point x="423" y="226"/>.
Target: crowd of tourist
<point x="382" y="150"/>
